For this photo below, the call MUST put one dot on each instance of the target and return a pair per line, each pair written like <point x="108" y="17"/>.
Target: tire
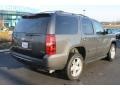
<point x="112" y="53"/>
<point x="74" y="67"/>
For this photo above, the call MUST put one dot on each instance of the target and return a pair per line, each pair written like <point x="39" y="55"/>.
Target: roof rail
<point x="70" y="13"/>
<point x="82" y="15"/>
<point x="65" y="12"/>
<point x="52" y="11"/>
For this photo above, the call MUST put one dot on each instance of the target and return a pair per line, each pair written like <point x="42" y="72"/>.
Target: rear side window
<point x="98" y="27"/>
<point x="87" y="27"/>
<point x="66" y="25"/>
<point x="33" y="24"/>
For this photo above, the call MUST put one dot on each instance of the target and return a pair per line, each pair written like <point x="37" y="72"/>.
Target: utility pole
<point x="84" y="12"/>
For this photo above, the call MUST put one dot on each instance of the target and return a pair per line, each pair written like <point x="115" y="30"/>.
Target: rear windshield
<point x="33" y="24"/>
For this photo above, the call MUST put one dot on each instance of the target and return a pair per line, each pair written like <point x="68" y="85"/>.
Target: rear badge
<point x="22" y="39"/>
<point x="24" y="44"/>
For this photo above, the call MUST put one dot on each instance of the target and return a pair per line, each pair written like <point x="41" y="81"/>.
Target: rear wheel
<point x="112" y="53"/>
<point x="74" y="67"/>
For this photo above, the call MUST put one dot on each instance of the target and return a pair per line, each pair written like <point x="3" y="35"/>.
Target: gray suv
<point x="61" y="41"/>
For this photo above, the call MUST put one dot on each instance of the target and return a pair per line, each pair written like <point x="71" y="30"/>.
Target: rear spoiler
<point x="32" y="16"/>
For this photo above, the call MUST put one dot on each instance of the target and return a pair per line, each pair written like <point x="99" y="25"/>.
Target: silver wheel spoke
<point x="74" y="73"/>
<point x="72" y="68"/>
<point x="78" y="62"/>
<point x="112" y="51"/>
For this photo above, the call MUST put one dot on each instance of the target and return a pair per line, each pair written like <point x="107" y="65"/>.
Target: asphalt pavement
<point x="99" y="72"/>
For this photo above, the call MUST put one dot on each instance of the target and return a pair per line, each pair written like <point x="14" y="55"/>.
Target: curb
<point x="4" y="50"/>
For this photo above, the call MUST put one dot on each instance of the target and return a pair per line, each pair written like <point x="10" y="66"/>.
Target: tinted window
<point x="109" y="31"/>
<point x="114" y="31"/>
<point x="98" y="27"/>
<point x="66" y="25"/>
<point x="33" y="25"/>
<point x="87" y="27"/>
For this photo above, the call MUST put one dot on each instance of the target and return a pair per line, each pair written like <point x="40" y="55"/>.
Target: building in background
<point x="111" y="25"/>
<point x="9" y="15"/>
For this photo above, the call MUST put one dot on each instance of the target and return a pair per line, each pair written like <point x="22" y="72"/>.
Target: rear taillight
<point x="50" y="44"/>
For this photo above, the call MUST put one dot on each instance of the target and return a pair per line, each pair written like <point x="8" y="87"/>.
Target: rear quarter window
<point x="66" y="25"/>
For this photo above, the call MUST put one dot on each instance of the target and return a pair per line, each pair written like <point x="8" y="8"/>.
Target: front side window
<point x="66" y="25"/>
<point x="98" y="27"/>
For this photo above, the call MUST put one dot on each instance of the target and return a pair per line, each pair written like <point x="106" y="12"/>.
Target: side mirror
<point x="101" y="33"/>
<point x="105" y="31"/>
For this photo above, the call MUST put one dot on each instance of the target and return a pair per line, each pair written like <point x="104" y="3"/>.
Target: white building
<point x="9" y="15"/>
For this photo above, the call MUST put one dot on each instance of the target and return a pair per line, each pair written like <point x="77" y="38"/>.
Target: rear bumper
<point x="29" y="60"/>
<point x="54" y="62"/>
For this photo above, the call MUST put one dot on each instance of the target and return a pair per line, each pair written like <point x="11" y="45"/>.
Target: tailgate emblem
<point x="23" y="39"/>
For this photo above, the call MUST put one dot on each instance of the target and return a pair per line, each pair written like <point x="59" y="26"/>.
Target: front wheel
<point x="112" y="53"/>
<point x="74" y="67"/>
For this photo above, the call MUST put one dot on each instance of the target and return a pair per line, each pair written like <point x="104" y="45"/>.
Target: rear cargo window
<point x="33" y="24"/>
<point x="66" y="25"/>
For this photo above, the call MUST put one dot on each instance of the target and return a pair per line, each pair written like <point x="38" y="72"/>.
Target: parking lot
<point x="98" y="72"/>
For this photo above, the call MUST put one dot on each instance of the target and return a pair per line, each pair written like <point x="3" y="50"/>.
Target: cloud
<point x="98" y="9"/>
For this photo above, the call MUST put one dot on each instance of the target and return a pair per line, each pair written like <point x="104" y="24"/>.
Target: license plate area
<point x="25" y="45"/>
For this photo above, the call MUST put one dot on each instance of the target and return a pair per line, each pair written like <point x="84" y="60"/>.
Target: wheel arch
<point x="114" y="42"/>
<point x="81" y="50"/>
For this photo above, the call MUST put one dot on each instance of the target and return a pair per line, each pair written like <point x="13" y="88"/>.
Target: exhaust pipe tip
<point x="51" y="71"/>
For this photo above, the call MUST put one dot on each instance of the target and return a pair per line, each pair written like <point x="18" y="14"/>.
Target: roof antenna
<point x="84" y="11"/>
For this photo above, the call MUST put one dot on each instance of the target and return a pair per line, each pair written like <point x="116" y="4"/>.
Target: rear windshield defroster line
<point x="36" y="25"/>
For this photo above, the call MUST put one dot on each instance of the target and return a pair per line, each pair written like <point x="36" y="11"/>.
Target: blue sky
<point x="102" y="10"/>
